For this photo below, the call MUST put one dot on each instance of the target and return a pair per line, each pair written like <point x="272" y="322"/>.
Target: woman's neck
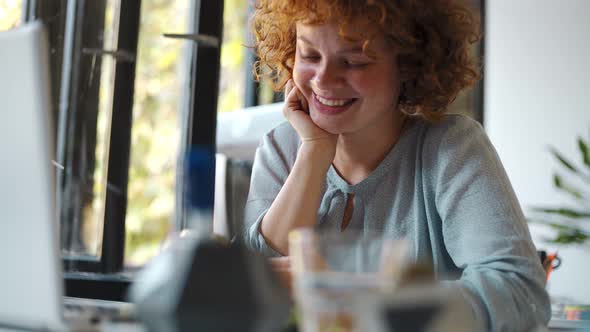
<point x="359" y="154"/>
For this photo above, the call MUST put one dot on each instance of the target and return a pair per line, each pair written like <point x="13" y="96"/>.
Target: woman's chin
<point x="329" y="126"/>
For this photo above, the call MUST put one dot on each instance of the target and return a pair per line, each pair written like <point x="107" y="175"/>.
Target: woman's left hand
<point x="282" y="268"/>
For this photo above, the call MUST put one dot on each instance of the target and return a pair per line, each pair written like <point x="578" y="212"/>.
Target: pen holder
<point x="550" y="262"/>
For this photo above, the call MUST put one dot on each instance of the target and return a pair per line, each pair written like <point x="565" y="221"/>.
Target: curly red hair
<point x="433" y="39"/>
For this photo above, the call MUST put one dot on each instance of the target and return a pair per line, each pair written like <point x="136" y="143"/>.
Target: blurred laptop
<point x="31" y="281"/>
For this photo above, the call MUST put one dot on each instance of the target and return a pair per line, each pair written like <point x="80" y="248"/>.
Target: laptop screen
<point x="30" y="282"/>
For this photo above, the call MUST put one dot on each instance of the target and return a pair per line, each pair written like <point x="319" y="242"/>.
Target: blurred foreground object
<point x="201" y="282"/>
<point x="337" y="276"/>
<point x="359" y="281"/>
<point x="425" y="308"/>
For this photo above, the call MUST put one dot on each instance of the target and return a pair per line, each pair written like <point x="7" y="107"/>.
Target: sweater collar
<point x="368" y="185"/>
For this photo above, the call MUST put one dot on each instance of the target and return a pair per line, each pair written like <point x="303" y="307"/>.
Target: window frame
<point x="104" y="277"/>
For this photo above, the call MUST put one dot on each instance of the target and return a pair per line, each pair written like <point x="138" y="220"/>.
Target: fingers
<point x="302" y="100"/>
<point x="288" y="87"/>
<point x="289" y="92"/>
<point x="285" y="279"/>
<point x="296" y="112"/>
<point x="293" y="93"/>
<point x="280" y="263"/>
<point x="292" y="102"/>
<point x="281" y="266"/>
<point x="294" y="99"/>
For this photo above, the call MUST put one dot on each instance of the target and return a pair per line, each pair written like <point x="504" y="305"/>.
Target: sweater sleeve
<point x="485" y="232"/>
<point x="272" y="163"/>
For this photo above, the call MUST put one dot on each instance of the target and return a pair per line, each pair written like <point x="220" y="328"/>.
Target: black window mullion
<point x="113" y="247"/>
<point x="205" y="74"/>
<point x="200" y="121"/>
<point x="74" y="28"/>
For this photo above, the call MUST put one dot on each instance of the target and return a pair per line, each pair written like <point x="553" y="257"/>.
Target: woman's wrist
<point x="320" y="153"/>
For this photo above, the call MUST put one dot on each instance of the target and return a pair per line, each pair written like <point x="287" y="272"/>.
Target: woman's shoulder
<point x="451" y="138"/>
<point x="453" y="130"/>
<point x="454" y="124"/>
<point x="281" y="142"/>
<point x="283" y="135"/>
<point x="283" y="131"/>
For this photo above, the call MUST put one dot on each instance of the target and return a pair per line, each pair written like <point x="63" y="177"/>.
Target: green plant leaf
<point x="585" y="151"/>
<point x="566" y="234"/>
<point x="570" y="236"/>
<point x="561" y="227"/>
<point x="557" y="180"/>
<point x="563" y="161"/>
<point x="560" y="184"/>
<point x="571" y="213"/>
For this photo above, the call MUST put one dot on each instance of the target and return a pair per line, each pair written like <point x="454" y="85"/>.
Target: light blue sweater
<point x="443" y="187"/>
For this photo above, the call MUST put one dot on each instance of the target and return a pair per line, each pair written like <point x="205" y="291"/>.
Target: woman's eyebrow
<point x="353" y="49"/>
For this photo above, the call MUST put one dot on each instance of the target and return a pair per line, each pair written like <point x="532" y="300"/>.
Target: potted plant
<point x="568" y="221"/>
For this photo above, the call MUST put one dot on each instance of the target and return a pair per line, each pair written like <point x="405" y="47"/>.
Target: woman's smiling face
<point x="347" y="91"/>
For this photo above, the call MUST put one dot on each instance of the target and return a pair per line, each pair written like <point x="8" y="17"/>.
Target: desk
<point x="554" y="326"/>
<point x="105" y="327"/>
<point x="568" y="325"/>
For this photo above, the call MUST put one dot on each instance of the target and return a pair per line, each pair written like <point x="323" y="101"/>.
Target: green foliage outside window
<point x="155" y="135"/>
<point x="10" y="12"/>
<point x="233" y="52"/>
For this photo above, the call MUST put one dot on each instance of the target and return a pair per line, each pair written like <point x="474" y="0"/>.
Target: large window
<point x="127" y="102"/>
<point x="125" y="98"/>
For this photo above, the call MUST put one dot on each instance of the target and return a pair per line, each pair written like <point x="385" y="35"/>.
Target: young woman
<point x="367" y="146"/>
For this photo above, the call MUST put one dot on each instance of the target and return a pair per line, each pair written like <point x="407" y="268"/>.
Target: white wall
<point x="537" y="93"/>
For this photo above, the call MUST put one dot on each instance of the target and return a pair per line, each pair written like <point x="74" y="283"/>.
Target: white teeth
<point x="332" y="102"/>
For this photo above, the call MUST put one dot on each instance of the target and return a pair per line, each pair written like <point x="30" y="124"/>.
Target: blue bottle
<point x="199" y="190"/>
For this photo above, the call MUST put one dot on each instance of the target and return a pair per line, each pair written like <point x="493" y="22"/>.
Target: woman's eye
<point x="310" y="57"/>
<point x="356" y="64"/>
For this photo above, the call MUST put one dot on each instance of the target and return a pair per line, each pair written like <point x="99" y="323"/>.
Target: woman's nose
<point x="328" y="75"/>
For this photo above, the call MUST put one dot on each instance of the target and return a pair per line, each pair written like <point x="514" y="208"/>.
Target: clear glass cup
<point x="338" y="277"/>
